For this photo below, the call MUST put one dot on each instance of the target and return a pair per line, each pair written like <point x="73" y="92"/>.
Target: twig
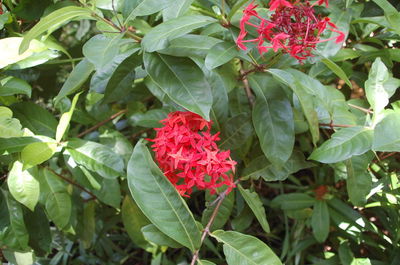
<point x="101" y="123"/>
<point x="70" y="181"/>
<point x="247" y="88"/>
<point x="360" y="108"/>
<point x="387" y="155"/>
<point x="332" y="126"/>
<point x="206" y="230"/>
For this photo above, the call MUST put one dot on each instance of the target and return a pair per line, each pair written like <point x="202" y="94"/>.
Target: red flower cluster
<point x="187" y="154"/>
<point x="293" y="27"/>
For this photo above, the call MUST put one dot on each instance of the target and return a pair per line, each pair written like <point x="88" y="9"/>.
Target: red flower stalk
<point x="187" y="153"/>
<point x="293" y="28"/>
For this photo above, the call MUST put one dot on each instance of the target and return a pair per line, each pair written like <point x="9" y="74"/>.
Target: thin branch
<point x="387" y="155"/>
<point x="247" y="88"/>
<point x="361" y="108"/>
<point x="332" y="126"/>
<point x="98" y="125"/>
<point x="70" y="181"/>
<point x="206" y="230"/>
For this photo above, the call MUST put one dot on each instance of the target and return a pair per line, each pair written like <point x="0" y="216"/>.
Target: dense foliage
<point x="280" y="128"/>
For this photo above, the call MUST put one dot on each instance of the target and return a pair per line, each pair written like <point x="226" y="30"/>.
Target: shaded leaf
<point x="221" y="53"/>
<point x="256" y="206"/>
<point x="236" y="131"/>
<point x="387" y="134"/>
<point x="223" y="213"/>
<point x="132" y="9"/>
<point x="320" y="220"/>
<point x="153" y="234"/>
<point x="12" y="86"/>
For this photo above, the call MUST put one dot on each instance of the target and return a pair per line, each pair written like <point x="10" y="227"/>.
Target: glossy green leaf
<point x="274" y="125"/>
<point x="76" y="79"/>
<point x="359" y="180"/>
<point x="241" y="249"/>
<point x="293" y="201"/>
<point x="58" y="201"/>
<point x="9" y="127"/>
<point x="134" y="220"/>
<point x="23" y="185"/>
<point x="36" y="153"/>
<point x="16" y="144"/>
<point x="236" y="131"/>
<point x="190" y="45"/>
<point x="260" y="166"/>
<point x="221" y="53"/>
<point x="391" y="14"/>
<point x="337" y="70"/>
<point x="296" y="82"/>
<point x="344" y="144"/>
<point x="159" y="37"/>
<point x="380" y="86"/>
<point x="320" y="220"/>
<point x="181" y="80"/>
<point x="153" y="234"/>
<point x="176" y="9"/>
<point x="12" y="86"/>
<point x="65" y="119"/>
<point x="53" y="21"/>
<point x="110" y="192"/>
<point x="122" y="79"/>
<point x="149" y="119"/>
<point x="256" y="206"/>
<point x="159" y="200"/>
<point x="387" y="134"/>
<point x="35" y="118"/>
<point x="132" y="9"/>
<point x="96" y="157"/>
<point x="16" y="219"/>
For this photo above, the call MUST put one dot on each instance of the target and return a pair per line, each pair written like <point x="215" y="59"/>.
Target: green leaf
<point x="122" y="79"/>
<point x="223" y="213"/>
<point x="65" y="119"/>
<point x="236" y="131"/>
<point x="53" y="21"/>
<point x="260" y="166"/>
<point x="89" y="224"/>
<point x="132" y="9"/>
<point x="149" y="119"/>
<point x="36" y="153"/>
<point x="110" y="192"/>
<point x="23" y="185"/>
<point x="9" y="127"/>
<point x="134" y="220"/>
<point x="293" y="201"/>
<point x="387" y="134"/>
<point x="190" y="45"/>
<point x="35" y="118"/>
<point x="295" y="81"/>
<point x="359" y="180"/>
<point x="100" y="50"/>
<point x="256" y="206"/>
<point x="380" y="86"/>
<point x="154" y="235"/>
<point x="159" y="37"/>
<point x="274" y="125"/>
<point x="58" y="201"/>
<point x="182" y="81"/>
<point x="96" y="157"/>
<point x="39" y="231"/>
<point x="344" y="144"/>
<point x="16" y="219"/>
<point x="391" y="14"/>
<point x="20" y="258"/>
<point x="159" y="200"/>
<point x="337" y="70"/>
<point x="241" y="249"/>
<point x="176" y="9"/>
<point x="221" y="53"/>
<point x="76" y="79"/>
<point x="12" y="86"/>
<point x="16" y="144"/>
<point x="320" y="220"/>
